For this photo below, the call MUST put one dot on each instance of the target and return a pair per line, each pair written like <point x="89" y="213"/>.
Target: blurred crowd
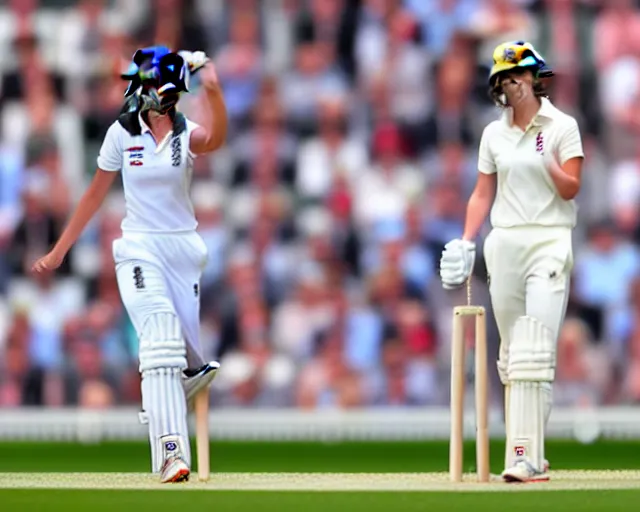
<point x="354" y="128"/>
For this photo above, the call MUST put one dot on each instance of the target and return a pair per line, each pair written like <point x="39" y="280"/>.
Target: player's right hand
<point x="456" y="263"/>
<point x="49" y="262"/>
<point x="195" y="60"/>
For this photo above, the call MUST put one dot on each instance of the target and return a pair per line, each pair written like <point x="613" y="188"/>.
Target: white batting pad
<point x="161" y="343"/>
<point x="526" y="423"/>
<point x="531" y="370"/>
<point x="162" y="359"/>
<point x="532" y="351"/>
<point x="165" y="410"/>
<point x="547" y="400"/>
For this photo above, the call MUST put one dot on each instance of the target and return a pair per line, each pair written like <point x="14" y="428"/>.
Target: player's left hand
<point x="456" y="263"/>
<point x="48" y="262"/>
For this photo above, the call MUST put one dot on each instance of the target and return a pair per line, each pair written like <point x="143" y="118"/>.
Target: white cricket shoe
<point x="196" y="379"/>
<point x="174" y="469"/>
<point x="523" y="471"/>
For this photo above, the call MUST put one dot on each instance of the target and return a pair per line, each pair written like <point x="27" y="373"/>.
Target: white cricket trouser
<point x="529" y="274"/>
<point x="166" y="268"/>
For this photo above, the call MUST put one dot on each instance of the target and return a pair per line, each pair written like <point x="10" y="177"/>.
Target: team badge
<point x="509" y="55"/>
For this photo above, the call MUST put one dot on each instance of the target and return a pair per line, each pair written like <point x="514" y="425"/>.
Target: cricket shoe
<point x="196" y="379"/>
<point x="523" y="471"/>
<point x="174" y="469"/>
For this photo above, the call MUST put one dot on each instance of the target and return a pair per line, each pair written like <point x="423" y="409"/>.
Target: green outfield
<point x="222" y="501"/>
<point x="307" y="476"/>
<point x="305" y="457"/>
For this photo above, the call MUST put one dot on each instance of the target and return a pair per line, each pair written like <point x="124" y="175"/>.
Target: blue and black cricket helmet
<point x="156" y="77"/>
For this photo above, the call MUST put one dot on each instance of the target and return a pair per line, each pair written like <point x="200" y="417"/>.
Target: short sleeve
<point x="570" y="142"/>
<point x="486" y="163"/>
<point x="191" y="126"/>
<point x="110" y="157"/>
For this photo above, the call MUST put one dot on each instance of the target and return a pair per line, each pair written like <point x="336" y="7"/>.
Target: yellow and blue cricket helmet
<point x="518" y="54"/>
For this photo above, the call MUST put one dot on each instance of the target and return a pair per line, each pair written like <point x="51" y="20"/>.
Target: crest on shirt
<point x="136" y="155"/>
<point x="539" y="143"/>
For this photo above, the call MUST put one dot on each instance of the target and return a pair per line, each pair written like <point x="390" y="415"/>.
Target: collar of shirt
<point x="144" y="128"/>
<point x="544" y="114"/>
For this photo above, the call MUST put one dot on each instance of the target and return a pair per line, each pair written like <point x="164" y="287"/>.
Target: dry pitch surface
<point x="560" y="480"/>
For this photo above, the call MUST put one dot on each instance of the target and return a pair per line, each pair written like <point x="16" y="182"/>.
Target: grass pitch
<point x="588" y="491"/>
<point x="329" y="482"/>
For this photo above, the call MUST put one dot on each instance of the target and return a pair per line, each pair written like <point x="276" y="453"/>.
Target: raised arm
<point x="213" y="130"/>
<point x="86" y="209"/>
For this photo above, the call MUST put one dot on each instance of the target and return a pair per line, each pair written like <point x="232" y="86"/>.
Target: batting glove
<point x="456" y="263"/>
<point x="194" y="60"/>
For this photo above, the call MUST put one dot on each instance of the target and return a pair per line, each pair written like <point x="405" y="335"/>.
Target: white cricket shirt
<point x="526" y="194"/>
<point x="156" y="176"/>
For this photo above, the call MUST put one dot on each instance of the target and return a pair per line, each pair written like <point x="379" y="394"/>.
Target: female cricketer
<point x="529" y="165"/>
<point x="159" y="257"/>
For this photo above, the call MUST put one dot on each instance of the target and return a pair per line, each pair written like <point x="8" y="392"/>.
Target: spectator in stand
<point x="240" y="67"/>
<point x="616" y="42"/>
<point x="332" y="151"/>
<point x="403" y="380"/>
<point x="11" y="182"/>
<point x="332" y="23"/>
<point x="46" y="204"/>
<point x="392" y="182"/>
<point x="624" y="195"/>
<point x="267" y="135"/>
<point x="578" y="373"/>
<point x="631" y="369"/>
<point x="497" y="21"/>
<point x="31" y="70"/>
<point x="327" y="381"/>
<point x="453" y="85"/>
<point x="445" y="217"/>
<point x="441" y="20"/>
<point x="356" y="126"/>
<point x="18" y="384"/>
<point x="312" y="77"/>
<point x="174" y="23"/>
<point x="603" y="271"/>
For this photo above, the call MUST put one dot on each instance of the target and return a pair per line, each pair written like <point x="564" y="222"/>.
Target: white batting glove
<point x="194" y="60"/>
<point x="456" y="263"/>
